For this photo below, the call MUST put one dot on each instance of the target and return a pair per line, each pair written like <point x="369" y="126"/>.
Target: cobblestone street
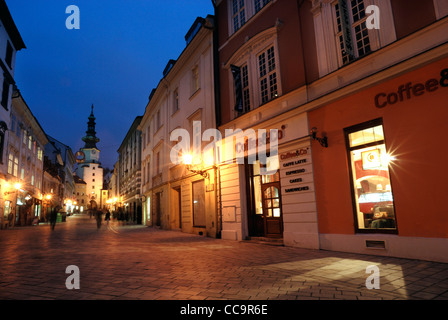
<point x="121" y="262"/>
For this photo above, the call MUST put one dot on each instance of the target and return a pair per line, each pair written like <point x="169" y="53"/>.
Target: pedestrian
<point x="53" y="217"/>
<point x="10" y="219"/>
<point x="99" y="216"/>
<point x="107" y="218"/>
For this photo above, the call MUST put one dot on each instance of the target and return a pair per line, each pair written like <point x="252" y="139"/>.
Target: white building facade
<point x="89" y="166"/>
<point x="181" y="196"/>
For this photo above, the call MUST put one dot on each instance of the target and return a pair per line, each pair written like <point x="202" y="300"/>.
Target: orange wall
<point x="416" y="132"/>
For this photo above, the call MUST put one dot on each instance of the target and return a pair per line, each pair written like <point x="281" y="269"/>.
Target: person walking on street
<point x="99" y="216"/>
<point x="107" y="217"/>
<point x="53" y="217"/>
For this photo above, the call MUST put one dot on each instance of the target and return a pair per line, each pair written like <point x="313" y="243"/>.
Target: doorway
<point x="265" y="217"/>
<point x="158" y="208"/>
<point x="177" y="206"/>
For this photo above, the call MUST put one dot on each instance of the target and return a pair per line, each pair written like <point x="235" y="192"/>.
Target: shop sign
<point x="409" y="90"/>
<point x="294" y="154"/>
<point x="292" y="163"/>
<point x="298" y="171"/>
<point x="298" y="189"/>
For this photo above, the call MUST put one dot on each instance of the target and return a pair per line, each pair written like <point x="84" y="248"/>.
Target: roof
<point x="10" y="26"/>
<point x="78" y="180"/>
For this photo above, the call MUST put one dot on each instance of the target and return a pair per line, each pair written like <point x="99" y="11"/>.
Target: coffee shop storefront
<point x="381" y="184"/>
<point x="273" y="198"/>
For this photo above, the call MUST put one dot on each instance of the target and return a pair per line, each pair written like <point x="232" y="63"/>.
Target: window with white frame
<point x="255" y="75"/>
<point x="245" y="88"/>
<point x="267" y="75"/>
<point x="240" y="11"/>
<point x="352" y="35"/>
<point x="13" y="165"/>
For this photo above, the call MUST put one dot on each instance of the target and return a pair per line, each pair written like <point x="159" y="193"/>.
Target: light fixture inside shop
<point x="323" y="141"/>
<point x="187" y="160"/>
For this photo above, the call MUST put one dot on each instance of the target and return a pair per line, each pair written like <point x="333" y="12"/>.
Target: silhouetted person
<point x="107" y="217"/>
<point x="99" y="216"/>
<point x="53" y="218"/>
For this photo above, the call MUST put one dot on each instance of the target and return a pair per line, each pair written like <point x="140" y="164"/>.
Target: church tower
<point x="89" y="165"/>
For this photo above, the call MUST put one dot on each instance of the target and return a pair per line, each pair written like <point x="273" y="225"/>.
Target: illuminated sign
<point x="371" y="159"/>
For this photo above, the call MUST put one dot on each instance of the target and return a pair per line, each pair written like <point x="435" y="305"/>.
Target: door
<point x="158" y="209"/>
<point x="272" y="212"/>
<point x="177" y="206"/>
<point x="264" y="202"/>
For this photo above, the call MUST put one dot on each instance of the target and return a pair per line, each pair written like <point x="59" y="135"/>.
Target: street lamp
<point x="187" y="160"/>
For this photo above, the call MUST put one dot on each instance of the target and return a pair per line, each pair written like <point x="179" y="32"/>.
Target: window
<point x="238" y="14"/>
<point x="30" y="142"/>
<point x="175" y="100"/>
<point x="8" y="57"/>
<point x="39" y="153"/>
<point x="148" y="134"/>
<point x="267" y="75"/>
<point x="157" y="122"/>
<point x="198" y="203"/>
<point x="369" y="166"/>
<point x="352" y="34"/>
<point x="3" y="129"/>
<point x="5" y="93"/>
<point x="15" y="171"/>
<point x="259" y="4"/>
<point x="195" y="79"/>
<point x="157" y="162"/>
<point x="245" y="88"/>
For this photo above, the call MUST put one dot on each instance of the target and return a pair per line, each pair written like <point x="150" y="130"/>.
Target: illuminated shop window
<point x="369" y="167"/>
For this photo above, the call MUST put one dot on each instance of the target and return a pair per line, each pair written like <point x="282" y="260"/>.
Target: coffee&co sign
<point x="409" y="90"/>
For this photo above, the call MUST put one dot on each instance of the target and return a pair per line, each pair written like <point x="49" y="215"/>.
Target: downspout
<point x="217" y="118"/>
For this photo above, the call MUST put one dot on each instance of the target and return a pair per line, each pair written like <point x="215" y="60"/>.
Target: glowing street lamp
<point x="187" y="159"/>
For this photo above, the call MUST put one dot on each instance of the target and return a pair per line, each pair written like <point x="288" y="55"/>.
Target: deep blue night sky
<point x="113" y="61"/>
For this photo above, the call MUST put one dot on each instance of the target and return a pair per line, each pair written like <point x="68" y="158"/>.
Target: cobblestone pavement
<point x="140" y="263"/>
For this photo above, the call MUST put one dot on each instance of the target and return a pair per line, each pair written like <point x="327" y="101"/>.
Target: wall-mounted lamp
<point x="323" y="141"/>
<point x="188" y="159"/>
